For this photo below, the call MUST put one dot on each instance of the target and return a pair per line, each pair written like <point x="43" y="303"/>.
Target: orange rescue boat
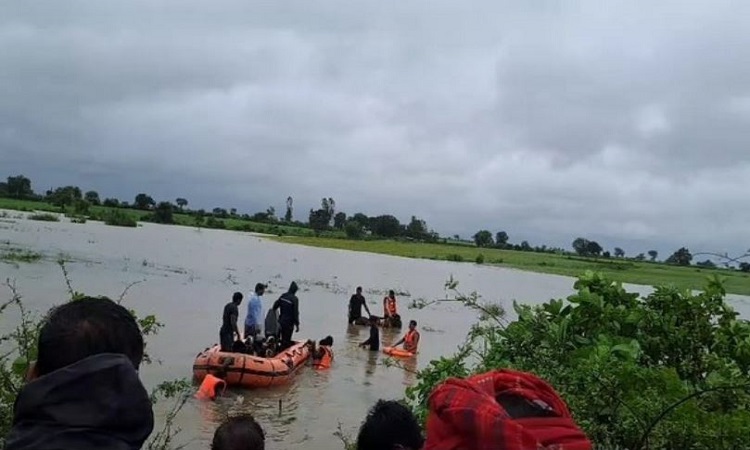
<point x="239" y="369"/>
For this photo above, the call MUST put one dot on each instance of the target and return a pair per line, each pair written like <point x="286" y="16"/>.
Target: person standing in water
<point x="389" y="305"/>
<point x="254" y="311"/>
<point x="411" y="339"/>
<point x="229" y="323"/>
<point x="374" y="342"/>
<point x="288" y="306"/>
<point x="356" y="302"/>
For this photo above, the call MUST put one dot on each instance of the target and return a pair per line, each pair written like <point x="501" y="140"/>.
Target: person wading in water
<point x="288" y="306"/>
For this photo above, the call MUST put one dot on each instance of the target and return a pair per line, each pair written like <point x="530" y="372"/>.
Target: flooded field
<point x="186" y="275"/>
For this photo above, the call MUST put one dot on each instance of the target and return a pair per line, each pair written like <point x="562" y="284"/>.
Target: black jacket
<point x="98" y="402"/>
<point x="288" y="304"/>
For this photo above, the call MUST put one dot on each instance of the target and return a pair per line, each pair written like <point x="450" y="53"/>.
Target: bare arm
<point x="366" y="308"/>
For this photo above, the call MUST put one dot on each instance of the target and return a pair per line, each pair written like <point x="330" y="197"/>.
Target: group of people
<point x="281" y="320"/>
<point x="84" y="392"/>
<point x="410" y="341"/>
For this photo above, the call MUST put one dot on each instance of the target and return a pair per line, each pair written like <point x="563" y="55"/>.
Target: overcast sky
<point x="623" y="121"/>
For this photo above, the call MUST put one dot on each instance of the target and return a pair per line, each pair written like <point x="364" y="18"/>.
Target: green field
<point x="627" y="271"/>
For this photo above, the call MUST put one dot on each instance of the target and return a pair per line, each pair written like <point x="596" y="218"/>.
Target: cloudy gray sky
<point x="624" y="121"/>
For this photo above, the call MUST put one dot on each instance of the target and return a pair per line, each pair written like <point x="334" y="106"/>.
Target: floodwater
<point x="186" y="275"/>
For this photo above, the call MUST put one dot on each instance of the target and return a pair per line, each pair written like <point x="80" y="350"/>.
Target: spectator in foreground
<point x="502" y="409"/>
<point x="239" y="433"/>
<point x="84" y="391"/>
<point x="390" y="425"/>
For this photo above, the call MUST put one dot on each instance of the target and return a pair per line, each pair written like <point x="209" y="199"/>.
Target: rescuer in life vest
<point x="322" y="357"/>
<point x="390" y="312"/>
<point x="411" y="339"/>
<point x="210" y="386"/>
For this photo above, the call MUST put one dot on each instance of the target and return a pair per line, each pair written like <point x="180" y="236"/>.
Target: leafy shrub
<point x="670" y="370"/>
<point x="118" y="218"/>
<point x="454" y="257"/>
<point x="479" y="259"/>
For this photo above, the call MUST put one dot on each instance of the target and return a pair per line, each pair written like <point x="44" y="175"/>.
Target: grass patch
<point x="44" y="217"/>
<point x="119" y="218"/>
<point x="626" y="271"/>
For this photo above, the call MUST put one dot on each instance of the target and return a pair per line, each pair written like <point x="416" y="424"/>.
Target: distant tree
<point x="653" y="254"/>
<point x="81" y="206"/>
<point x="525" y="246"/>
<point x="456" y="237"/>
<point x="483" y="238"/>
<point x="501" y="239"/>
<point x="19" y="187"/>
<point x="92" y="197"/>
<point x="386" y="226"/>
<point x="362" y="219"/>
<point x="707" y="264"/>
<point x="328" y="205"/>
<point x="111" y="202"/>
<point x="318" y="220"/>
<point x="220" y="213"/>
<point x="339" y="220"/>
<point x="354" y="229"/>
<point x="593" y="248"/>
<point x="606" y="255"/>
<point x="619" y="253"/>
<point x="181" y="203"/>
<point x="271" y="214"/>
<point x="64" y="196"/>
<point x="288" y="214"/>
<point x="417" y="229"/>
<point x="232" y="212"/>
<point x="681" y="257"/>
<point x="580" y="245"/>
<point x="640" y="257"/>
<point x="144" y="201"/>
<point x="745" y="267"/>
<point x="163" y="213"/>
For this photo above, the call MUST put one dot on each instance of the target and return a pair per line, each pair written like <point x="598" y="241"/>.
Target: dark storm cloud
<point x="624" y="121"/>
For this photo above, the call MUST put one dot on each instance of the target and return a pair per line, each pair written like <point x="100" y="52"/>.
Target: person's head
<point x="87" y="327"/>
<point x="260" y="288"/>
<point x="240" y="432"/>
<point x="412" y="324"/>
<point x="293" y="288"/>
<point x="237" y="298"/>
<point x="359" y="289"/>
<point x="390" y="426"/>
<point x="392" y="294"/>
<point x="327" y="341"/>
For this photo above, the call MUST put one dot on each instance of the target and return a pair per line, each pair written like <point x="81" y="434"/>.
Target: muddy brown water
<point x="186" y="275"/>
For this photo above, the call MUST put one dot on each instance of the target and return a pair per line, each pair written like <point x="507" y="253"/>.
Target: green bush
<point x="670" y="370"/>
<point x="454" y="257"/>
<point x="479" y="259"/>
<point x="118" y="218"/>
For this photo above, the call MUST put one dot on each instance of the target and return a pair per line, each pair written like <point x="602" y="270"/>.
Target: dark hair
<point x="237" y="297"/>
<point x="240" y="432"/>
<point x="327" y="341"/>
<point x="392" y="293"/>
<point x="413" y="322"/>
<point x="86" y="327"/>
<point x="259" y="287"/>
<point x="389" y="423"/>
<point x="293" y="287"/>
<point x="359" y="288"/>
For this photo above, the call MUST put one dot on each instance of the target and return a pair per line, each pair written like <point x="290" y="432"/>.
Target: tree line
<point x="324" y="219"/>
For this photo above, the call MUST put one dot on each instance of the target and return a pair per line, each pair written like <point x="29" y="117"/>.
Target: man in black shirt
<point x="229" y="323"/>
<point x="355" y="306"/>
<point x="374" y="342"/>
<point x="288" y="306"/>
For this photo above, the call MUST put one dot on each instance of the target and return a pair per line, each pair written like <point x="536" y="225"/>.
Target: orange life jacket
<point x="410" y="341"/>
<point x="390" y="306"/>
<point x="326" y="360"/>
<point x="210" y="384"/>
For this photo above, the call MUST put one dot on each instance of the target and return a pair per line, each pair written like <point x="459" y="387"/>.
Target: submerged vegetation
<point x="670" y="370"/>
<point x="15" y="255"/>
<point x="44" y="217"/>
